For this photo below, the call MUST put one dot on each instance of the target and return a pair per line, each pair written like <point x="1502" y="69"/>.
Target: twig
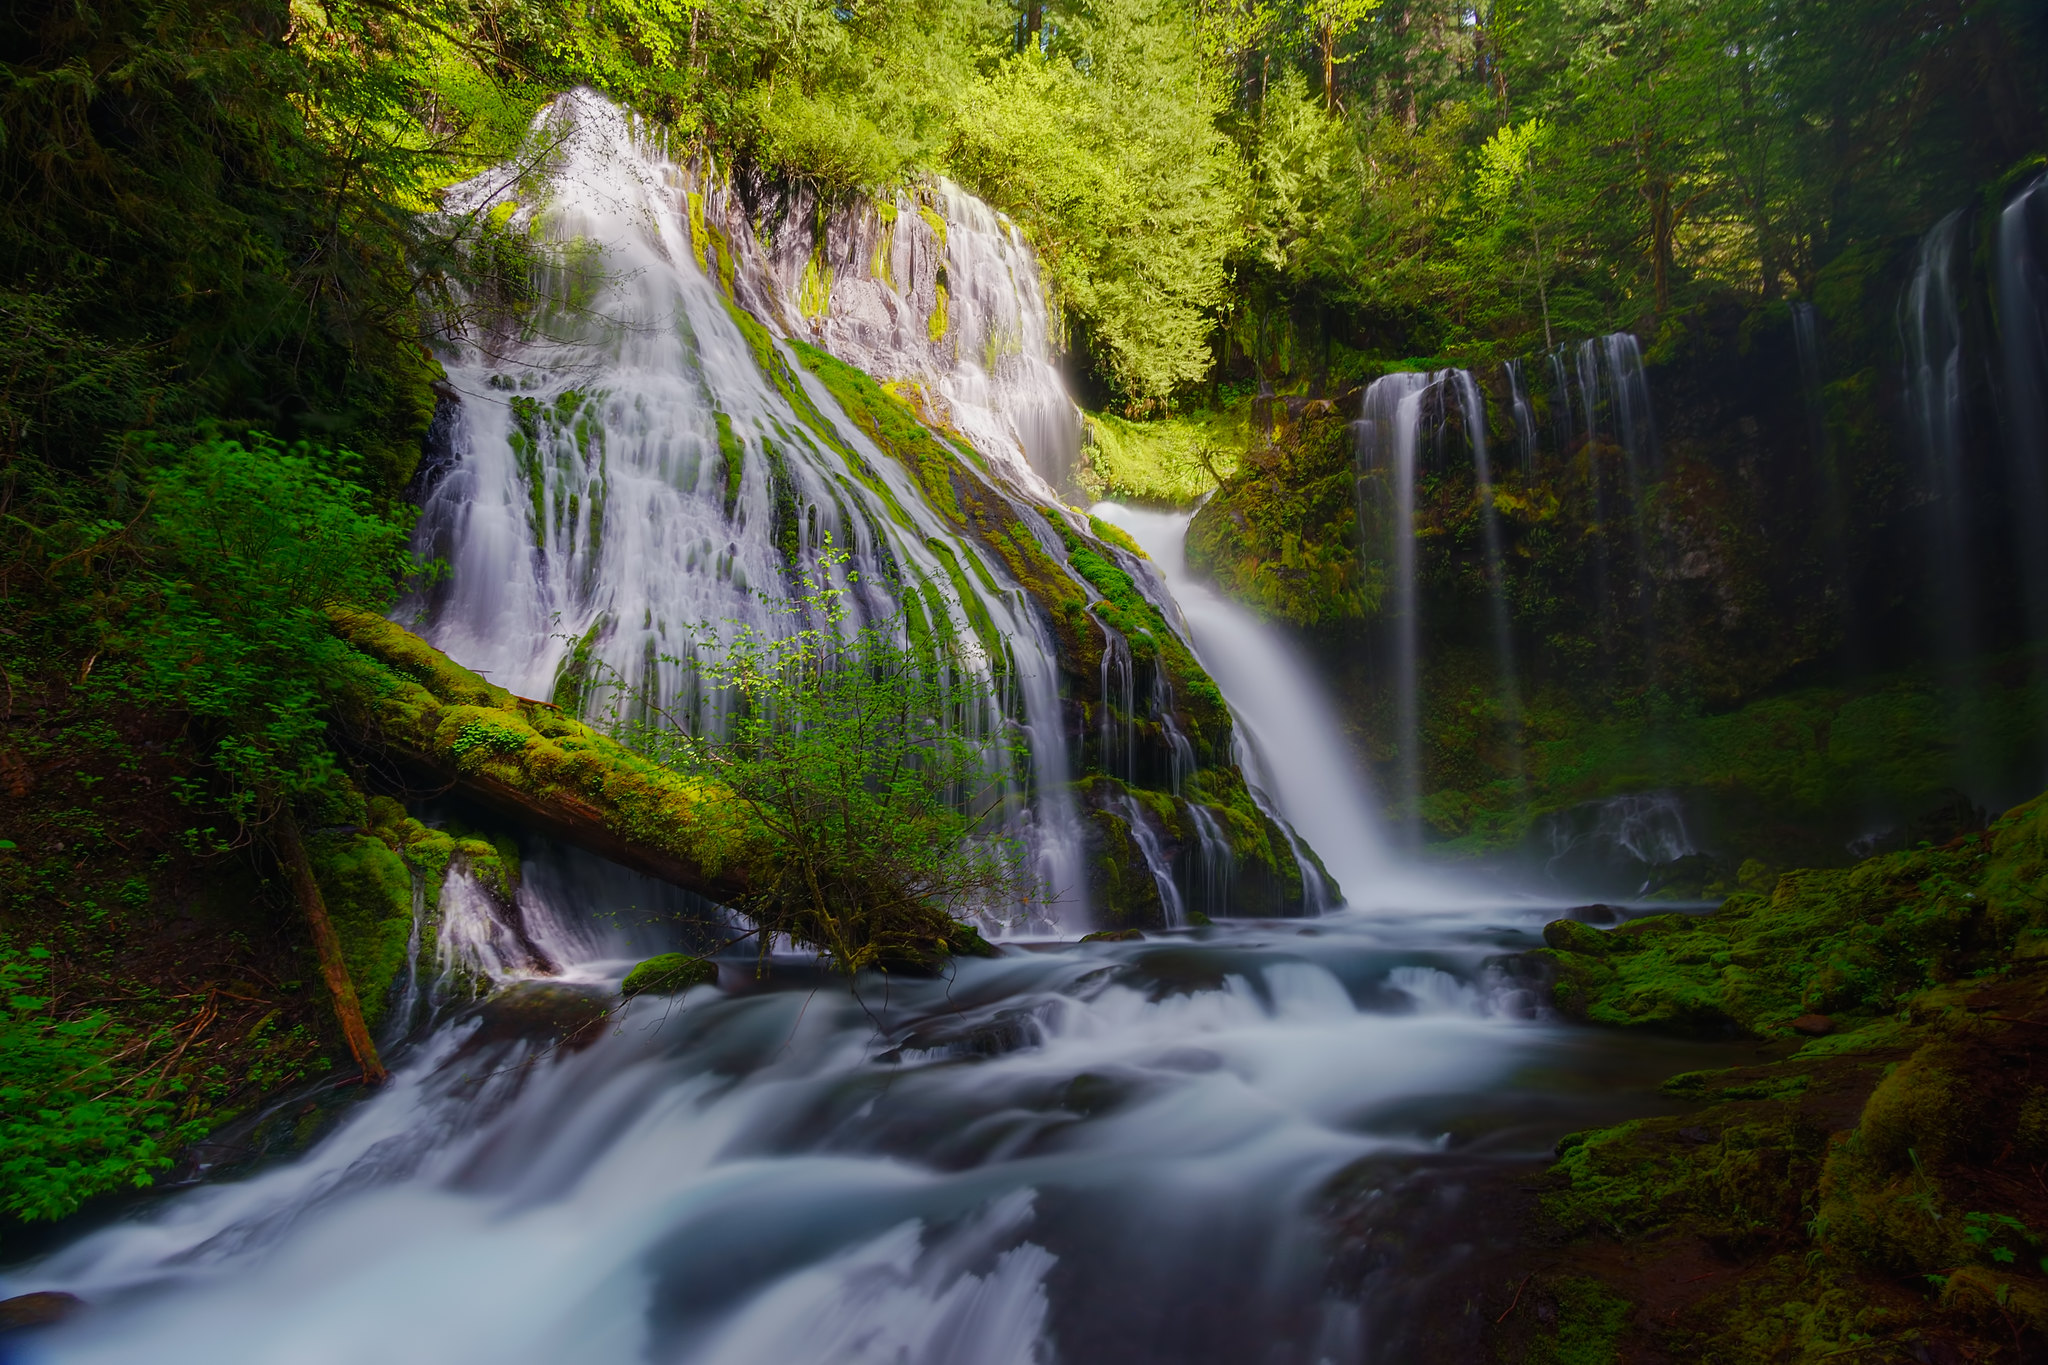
<point x="1517" y="1299"/>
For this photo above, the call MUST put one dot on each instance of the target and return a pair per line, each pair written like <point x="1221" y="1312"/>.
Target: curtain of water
<point x="2022" y="270"/>
<point x="1472" y="407"/>
<point x="1931" y="339"/>
<point x="1390" y="440"/>
<point x="628" y="487"/>
<point x="1524" y="417"/>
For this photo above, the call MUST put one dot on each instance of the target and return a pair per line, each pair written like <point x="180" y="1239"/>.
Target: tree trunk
<point x="333" y="967"/>
<point x="1034" y="20"/>
<point x="1327" y="36"/>
<point x="1661" y="229"/>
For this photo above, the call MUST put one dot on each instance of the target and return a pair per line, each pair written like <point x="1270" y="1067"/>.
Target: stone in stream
<point x="45" y="1308"/>
<point x="1813" y="1025"/>
<point x="668" y="974"/>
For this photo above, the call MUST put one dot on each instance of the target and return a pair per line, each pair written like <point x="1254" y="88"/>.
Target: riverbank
<point x="1869" y="1187"/>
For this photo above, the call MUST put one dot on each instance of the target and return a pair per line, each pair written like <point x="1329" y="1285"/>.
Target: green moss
<point x="734" y="453"/>
<point x="1282" y="536"/>
<point x="668" y="974"/>
<point x="935" y="325"/>
<point x="814" y="291"/>
<point x="1855" y="941"/>
<point x="368" y="890"/>
<point x="1589" y="1321"/>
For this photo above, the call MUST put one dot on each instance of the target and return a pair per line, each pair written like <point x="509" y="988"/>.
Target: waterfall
<point x="400" y="1018"/>
<point x="1209" y="887"/>
<point x="1472" y="406"/>
<point x="1562" y="429"/>
<point x="940" y="296"/>
<point x="1524" y="417"/>
<point x="1117" y="732"/>
<point x="1931" y="336"/>
<point x="1390" y="440"/>
<point x="1147" y="839"/>
<point x="626" y="473"/>
<point x="1296" y="749"/>
<point x="2022" y="280"/>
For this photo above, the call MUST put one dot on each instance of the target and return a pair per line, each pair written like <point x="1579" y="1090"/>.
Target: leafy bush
<point x="876" y="765"/>
<point x="71" y="1125"/>
<point x="244" y="545"/>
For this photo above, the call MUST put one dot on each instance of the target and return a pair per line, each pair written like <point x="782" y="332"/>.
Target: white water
<point x="1301" y="758"/>
<point x="590" y="498"/>
<point x="1105" y="1153"/>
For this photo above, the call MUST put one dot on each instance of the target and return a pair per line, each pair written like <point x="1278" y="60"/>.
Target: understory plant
<point x="873" y="758"/>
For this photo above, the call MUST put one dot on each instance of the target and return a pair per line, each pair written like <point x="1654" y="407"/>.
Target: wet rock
<point x="1696" y="1135"/>
<point x="546" y="1011"/>
<point x="1570" y="936"/>
<point x="45" y="1308"/>
<point x="1594" y="914"/>
<point x="669" y="974"/>
<point x="1112" y="936"/>
<point x="1813" y="1025"/>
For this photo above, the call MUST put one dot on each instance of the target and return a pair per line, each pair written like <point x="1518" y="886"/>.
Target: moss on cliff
<point x="1282" y="534"/>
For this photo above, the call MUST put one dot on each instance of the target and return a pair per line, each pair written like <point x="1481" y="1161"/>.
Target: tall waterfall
<point x="1931" y="339"/>
<point x="1499" y="613"/>
<point x="624" y="473"/>
<point x="1390" y="439"/>
<point x="2022" y="283"/>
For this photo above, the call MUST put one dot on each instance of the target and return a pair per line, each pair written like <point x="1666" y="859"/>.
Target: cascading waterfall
<point x="630" y="476"/>
<point x="1296" y="750"/>
<point x="2022" y="281"/>
<point x="1390" y="436"/>
<point x="1931" y="337"/>
<point x="1117" y="731"/>
<point x="1524" y="417"/>
<point x="1147" y="839"/>
<point x="936" y="292"/>
<point x="1472" y="406"/>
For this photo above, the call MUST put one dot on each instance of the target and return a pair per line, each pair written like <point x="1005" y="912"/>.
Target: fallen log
<point x="401" y="696"/>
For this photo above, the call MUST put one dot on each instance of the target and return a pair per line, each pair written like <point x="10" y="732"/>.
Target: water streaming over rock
<point x="1390" y="439"/>
<point x="1931" y="341"/>
<point x="625" y="475"/>
<point x="1523" y="416"/>
<point x="1499" y="610"/>
<point x="2022" y="285"/>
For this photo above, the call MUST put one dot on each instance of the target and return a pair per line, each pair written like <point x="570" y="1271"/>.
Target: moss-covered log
<point x="407" y="700"/>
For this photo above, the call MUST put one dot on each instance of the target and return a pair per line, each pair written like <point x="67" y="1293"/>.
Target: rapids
<point x="1098" y="1152"/>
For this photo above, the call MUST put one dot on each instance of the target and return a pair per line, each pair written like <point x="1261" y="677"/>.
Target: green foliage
<point x="877" y="773"/>
<point x="72" y="1124"/>
<point x="1106" y="147"/>
<point x="243" y="548"/>
<point x="1175" y="460"/>
<point x="1281" y="535"/>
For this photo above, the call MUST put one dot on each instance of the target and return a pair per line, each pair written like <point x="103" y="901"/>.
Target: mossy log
<point x="410" y="702"/>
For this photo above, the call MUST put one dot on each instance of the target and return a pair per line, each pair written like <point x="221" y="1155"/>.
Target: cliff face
<point x="1740" y="586"/>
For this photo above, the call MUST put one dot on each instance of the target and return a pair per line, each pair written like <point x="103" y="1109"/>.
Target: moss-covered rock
<point x="668" y="974"/>
<point x="1852" y="942"/>
<point x="1871" y="1193"/>
<point x="1282" y="536"/>
<point x="535" y="763"/>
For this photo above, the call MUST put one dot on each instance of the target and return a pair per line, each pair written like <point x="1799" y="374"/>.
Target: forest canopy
<point x="220" y="211"/>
